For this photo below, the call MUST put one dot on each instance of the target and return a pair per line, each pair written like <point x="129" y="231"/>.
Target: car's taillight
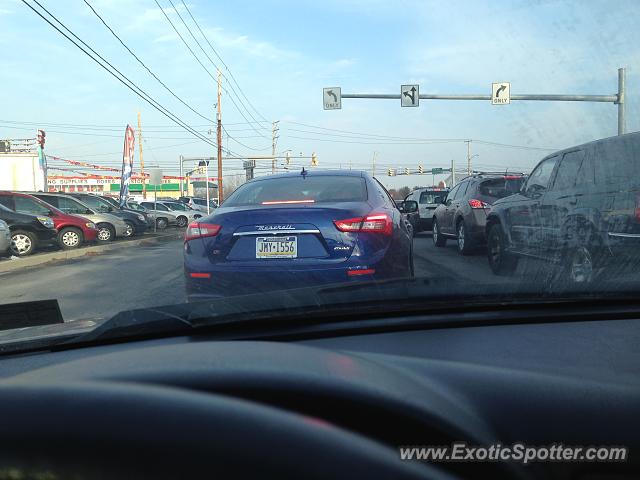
<point x="200" y="230"/>
<point x="374" y="223"/>
<point x="473" y="203"/>
<point x="637" y="212"/>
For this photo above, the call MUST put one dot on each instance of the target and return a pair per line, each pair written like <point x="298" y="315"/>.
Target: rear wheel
<point x="182" y="221"/>
<point x="162" y="223"/>
<point x="106" y="233"/>
<point x="582" y="262"/>
<point x="23" y="243"/>
<point x="465" y="245"/>
<point x="70" y="238"/>
<point x="438" y="239"/>
<point x="500" y="261"/>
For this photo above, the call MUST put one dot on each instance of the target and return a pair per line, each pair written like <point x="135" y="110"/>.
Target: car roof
<point x="314" y="173"/>
<point x="613" y="139"/>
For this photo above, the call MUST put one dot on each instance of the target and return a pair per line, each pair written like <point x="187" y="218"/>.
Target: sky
<point x="277" y="55"/>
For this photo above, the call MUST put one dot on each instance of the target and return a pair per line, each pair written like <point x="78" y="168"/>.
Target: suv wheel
<point x="465" y="245"/>
<point x="69" y="238"/>
<point x="106" y="232"/>
<point x="439" y="240"/>
<point x="23" y="243"/>
<point x="500" y="261"/>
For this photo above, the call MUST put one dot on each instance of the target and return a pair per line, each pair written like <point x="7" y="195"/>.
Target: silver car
<point x="5" y="238"/>
<point x="185" y="214"/>
<point x="164" y="217"/>
<point x="109" y="226"/>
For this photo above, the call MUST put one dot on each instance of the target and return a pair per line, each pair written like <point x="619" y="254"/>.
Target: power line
<point x="240" y="143"/>
<point x="222" y="61"/>
<point x="124" y="80"/>
<point x="208" y="57"/>
<point x="147" y="68"/>
<point x="198" y="60"/>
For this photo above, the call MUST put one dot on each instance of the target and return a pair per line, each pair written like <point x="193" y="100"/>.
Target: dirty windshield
<point x="160" y="153"/>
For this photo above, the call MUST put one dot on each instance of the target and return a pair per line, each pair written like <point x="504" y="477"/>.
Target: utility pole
<point x="373" y="167"/>
<point x="468" y="142"/>
<point x="144" y="184"/>
<point x="220" y="191"/>
<point x="453" y="173"/>
<point x="274" y="142"/>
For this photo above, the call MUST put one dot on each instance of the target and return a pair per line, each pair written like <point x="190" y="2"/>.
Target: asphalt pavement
<point x="99" y="286"/>
<point x="96" y="287"/>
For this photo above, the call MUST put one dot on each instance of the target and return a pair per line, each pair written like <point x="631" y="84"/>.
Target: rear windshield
<point x="301" y="189"/>
<point x="618" y="161"/>
<point x="429" y="197"/>
<point x="501" y="187"/>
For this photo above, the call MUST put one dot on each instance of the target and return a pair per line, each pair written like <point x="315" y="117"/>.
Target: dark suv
<point x="464" y="212"/>
<point x="579" y="208"/>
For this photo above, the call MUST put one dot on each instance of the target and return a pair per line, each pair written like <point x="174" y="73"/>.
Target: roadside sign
<point x="436" y="171"/>
<point x="409" y="95"/>
<point x="332" y="98"/>
<point x="155" y="176"/>
<point x="501" y="93"/>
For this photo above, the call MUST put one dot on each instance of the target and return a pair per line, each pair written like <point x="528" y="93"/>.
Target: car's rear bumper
<point x="120" y="228"/>
<point x="223" y="282"/>
<point x="90" y="234"/>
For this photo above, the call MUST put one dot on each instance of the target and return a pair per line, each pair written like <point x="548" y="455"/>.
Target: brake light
<point x="512" y="177"/>
<point x="287" y="202"/>
<point x="637" y="212"/>
<point x="473" y="203"/>
<point x="374" y="223"/>
<point x="200" y="230"/>
<point x="356" y="273"/>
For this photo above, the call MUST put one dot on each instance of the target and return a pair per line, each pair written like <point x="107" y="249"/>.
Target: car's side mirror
<point x="51" y="213"/>
<point x="88" y="212"/>
<point x="409" y="206"/>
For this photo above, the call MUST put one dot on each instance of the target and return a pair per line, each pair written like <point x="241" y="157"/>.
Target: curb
<point x="32" y="261"/>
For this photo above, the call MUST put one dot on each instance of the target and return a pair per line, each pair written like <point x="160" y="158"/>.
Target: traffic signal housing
<point x="420" y="169"/>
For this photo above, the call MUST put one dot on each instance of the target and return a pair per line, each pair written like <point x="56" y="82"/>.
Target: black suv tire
<point x="439" y="240"/>
<point x="464" y="242"/>
<point x="500" y="261"/>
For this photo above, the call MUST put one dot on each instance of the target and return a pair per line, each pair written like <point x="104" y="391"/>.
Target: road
<point x="97" y="287"/>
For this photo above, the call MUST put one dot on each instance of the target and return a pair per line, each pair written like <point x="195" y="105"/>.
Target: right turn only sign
<point x="500" y="93"/>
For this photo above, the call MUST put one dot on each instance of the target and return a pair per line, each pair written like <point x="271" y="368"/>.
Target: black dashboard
<point x="336" y="406"/>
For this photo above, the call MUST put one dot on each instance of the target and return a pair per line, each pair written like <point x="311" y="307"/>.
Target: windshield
<point x="289" y="145"/>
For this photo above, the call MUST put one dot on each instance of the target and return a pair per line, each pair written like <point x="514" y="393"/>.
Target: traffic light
<point x="406" y="171"/>
<point x="390" y="172"/>
<point x="420" y="169"/>
<point x="41" y="138"/>
<point x="314" y="160"/>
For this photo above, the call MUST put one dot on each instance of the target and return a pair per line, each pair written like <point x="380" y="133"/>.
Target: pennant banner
<point x="127" y="164"/>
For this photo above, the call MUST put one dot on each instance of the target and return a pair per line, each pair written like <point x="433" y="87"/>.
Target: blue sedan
<point x="295" y="230"/>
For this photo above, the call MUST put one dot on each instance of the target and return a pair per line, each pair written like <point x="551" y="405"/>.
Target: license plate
<point x="277" y="247"/>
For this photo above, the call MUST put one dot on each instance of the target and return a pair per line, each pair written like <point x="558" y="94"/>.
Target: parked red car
<point x="73" y="230"/>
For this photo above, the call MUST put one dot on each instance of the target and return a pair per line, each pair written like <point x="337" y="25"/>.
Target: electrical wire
<point x="223" y="62"/>
<point x="143" y="64"/>
<point x="124" y="80"/>
<point x="198" y="60"/>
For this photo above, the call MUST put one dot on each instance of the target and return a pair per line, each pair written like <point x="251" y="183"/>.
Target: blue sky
<point x="282" y="53"/>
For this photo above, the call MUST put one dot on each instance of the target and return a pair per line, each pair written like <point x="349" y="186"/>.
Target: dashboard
<point x="336" y="406"/>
